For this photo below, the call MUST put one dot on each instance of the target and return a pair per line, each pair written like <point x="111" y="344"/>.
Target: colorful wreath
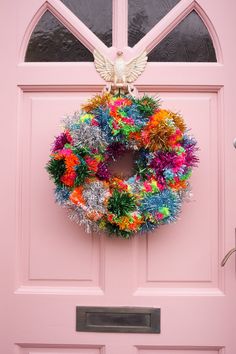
<point x="105" y="128"/>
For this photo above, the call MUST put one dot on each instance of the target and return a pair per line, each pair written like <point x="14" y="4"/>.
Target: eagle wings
<point x="120" y="71"/>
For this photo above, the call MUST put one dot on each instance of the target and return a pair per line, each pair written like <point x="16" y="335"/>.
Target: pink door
<point x="48" y="264"/>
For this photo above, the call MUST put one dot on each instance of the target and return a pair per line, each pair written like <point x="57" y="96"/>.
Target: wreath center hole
<point x="124" y="165"/>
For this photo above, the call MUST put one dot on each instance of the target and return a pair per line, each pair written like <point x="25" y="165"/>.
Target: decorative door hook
<point x="120" y="74"/>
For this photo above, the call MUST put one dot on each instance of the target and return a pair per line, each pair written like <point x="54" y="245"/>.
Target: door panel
<point x="180" y="351"/>
<point x="55" y="350"/>
<point x="185" y="254"/>
<point x="54" y="250"/>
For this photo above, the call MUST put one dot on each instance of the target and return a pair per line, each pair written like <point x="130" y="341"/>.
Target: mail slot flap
<point x="118" y="319"/>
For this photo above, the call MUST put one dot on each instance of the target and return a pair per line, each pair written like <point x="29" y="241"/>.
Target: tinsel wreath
<point x="105" y="128"/>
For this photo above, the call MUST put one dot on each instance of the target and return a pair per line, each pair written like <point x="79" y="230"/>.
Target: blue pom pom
<point x="62" y="195"/>
<point x="133" y="112"/>
<point x="103" y="118"/>
<point x="155" y="202"/>
<point x="148" y="226"/>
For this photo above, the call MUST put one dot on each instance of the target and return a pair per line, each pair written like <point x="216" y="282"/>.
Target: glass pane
<point x="96" y="15"/>
<point x="190" y="41"/>
<point x="51" y="41"/>
<point x="145" y="14"/>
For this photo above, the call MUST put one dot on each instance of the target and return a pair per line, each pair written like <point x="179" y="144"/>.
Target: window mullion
<point x="120" y="23"/>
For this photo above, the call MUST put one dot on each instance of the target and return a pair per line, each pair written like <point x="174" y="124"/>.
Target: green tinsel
<point x="121" y="203"/>
<point x="80" y="152"/>
<point x="147" y="105"/>
<point x="141" y="166"/>
<point x="81" y="173"/>
<point x="115" y="230"/>
<point x="56" y="168"/>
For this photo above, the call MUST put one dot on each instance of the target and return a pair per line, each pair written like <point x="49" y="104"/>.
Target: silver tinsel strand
<point x="95" y="194"/>
<point x="69" y="122"/>
<point x="88" y="136"/>
<point x="78" y="215"/>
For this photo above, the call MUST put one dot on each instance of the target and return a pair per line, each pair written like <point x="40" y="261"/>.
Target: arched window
<point x="189" y="40"/>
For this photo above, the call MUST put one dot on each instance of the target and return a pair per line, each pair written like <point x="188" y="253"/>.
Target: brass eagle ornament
<point x="120" y="73"/>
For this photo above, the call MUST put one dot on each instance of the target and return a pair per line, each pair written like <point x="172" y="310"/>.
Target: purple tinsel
<point x="115" y="150"/>
<point x="102" y="171"/>
<point x="60" y="141"/>
<point x="163" y="160"/>
<point x="191" y="159"/>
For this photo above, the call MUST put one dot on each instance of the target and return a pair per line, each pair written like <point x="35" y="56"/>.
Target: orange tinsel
<point x="77" y="196"/>
<point x="92" y="163"/>
<point x="118" y="183"/>
<point x="94" y="215"/>
<point x="178" y="120"/>
<point x="136" y="136"/>
<point x="97" y="101"/>
<point x="178" y="185"/>
<point x="159" y="129"/>
<point x="71" y="161"/>
<point x="126" y="222"/>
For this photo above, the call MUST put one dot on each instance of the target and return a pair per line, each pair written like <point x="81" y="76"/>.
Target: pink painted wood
<point x="48" y="265"/>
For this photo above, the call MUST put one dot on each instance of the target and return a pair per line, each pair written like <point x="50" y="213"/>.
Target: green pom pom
<point x="121" y="203"/>
<point x="186" y="176"/>
<point x="81" y="173"/>
<point x="56" y="168"/>
<point x="165" y="211"/>
<point x="147" y="105"/>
